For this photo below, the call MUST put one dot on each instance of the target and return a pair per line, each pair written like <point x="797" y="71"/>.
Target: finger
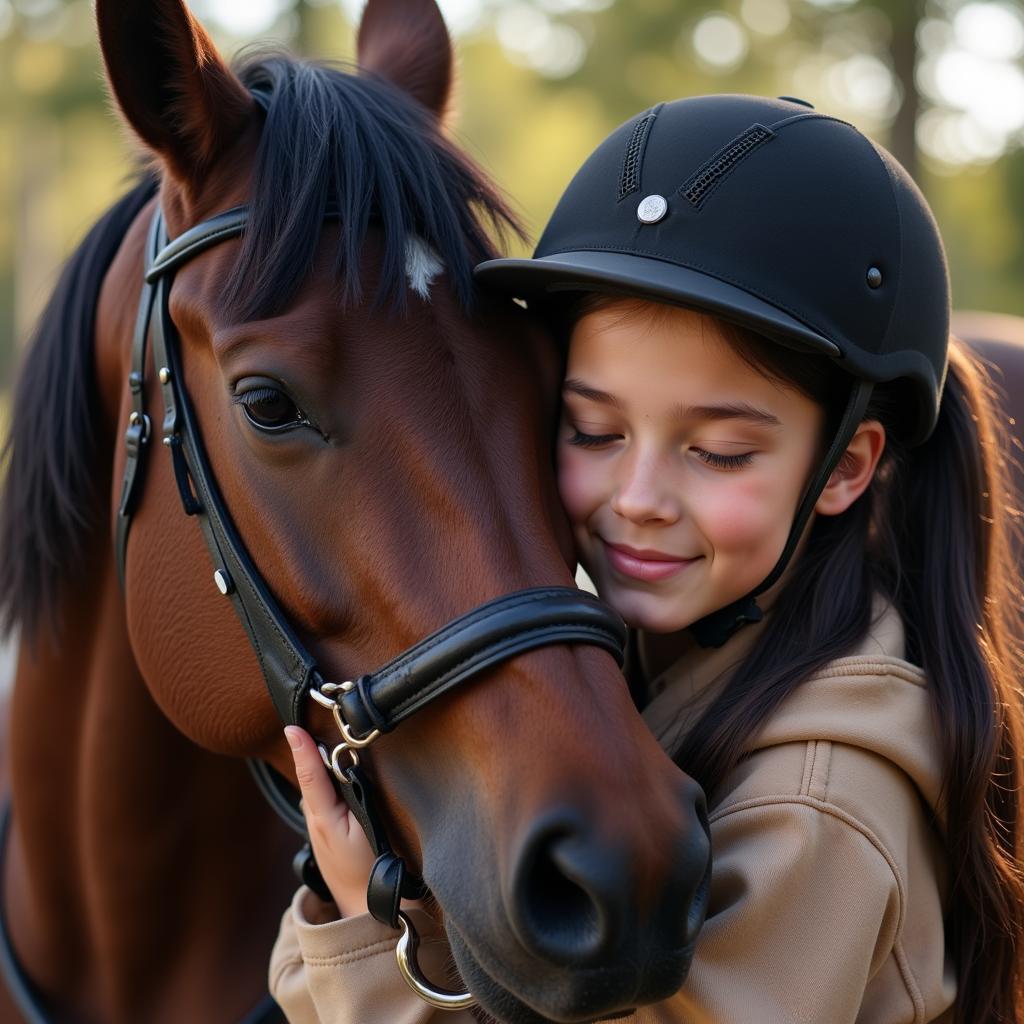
<point x="318" y="796"/>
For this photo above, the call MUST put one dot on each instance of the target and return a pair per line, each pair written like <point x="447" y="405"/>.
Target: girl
<point x="813" y="551"/>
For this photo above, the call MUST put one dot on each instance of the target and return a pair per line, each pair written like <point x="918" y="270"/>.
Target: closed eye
<point x="723" y="461"/>
<point x="582" y="440"/>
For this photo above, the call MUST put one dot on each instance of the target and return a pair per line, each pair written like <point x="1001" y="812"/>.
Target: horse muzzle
<point x="585" y="935"/>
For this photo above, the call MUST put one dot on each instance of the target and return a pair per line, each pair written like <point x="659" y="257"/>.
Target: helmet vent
<point x="629" y="180"/>
<point x="708" y="176"/>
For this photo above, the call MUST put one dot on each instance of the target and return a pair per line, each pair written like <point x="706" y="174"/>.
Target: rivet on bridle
<point x="136" y="419"/>
<point x="874" y="277"/>
<point x="223" y="581"/>
<point x="164" y="374"/>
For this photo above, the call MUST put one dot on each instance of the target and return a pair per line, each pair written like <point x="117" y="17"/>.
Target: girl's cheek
<point x="741" y="513"/>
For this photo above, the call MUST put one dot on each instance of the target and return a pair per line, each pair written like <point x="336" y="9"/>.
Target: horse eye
<point x="270" y="409"/>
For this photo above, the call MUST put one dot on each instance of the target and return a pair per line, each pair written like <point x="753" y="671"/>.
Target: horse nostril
<point x="563" y="894"/>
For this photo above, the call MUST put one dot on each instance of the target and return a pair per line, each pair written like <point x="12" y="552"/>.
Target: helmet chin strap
<point x="715" y="629"/>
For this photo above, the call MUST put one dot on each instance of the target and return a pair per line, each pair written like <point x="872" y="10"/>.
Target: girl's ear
<point x="856" y="469"/>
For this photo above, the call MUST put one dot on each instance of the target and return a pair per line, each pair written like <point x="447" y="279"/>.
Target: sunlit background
<point x="940" y="82"/>
<point x="541" y="82"/>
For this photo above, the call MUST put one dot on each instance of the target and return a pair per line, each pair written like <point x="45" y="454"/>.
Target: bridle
<point x="373" y="704"/>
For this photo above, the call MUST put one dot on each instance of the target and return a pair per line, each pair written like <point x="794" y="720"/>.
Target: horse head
<point x="380" y="436"/>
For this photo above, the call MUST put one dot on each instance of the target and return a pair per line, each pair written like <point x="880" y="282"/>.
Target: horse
<point x="379" y="435"/>
<point x="998" y="338"/>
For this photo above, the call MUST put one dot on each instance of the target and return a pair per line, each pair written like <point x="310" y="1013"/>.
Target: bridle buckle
<point x="324" y="696"/>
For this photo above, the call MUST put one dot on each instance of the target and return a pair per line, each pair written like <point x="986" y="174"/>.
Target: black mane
<point x="355" y="144"/>
<point x="331" y="140"/>
<point x="49" y="498"/>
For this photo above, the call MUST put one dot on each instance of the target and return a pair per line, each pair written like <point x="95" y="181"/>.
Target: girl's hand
<point x="339" y="845"/>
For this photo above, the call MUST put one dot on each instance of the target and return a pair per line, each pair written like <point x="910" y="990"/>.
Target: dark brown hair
<point x="933" y="534"/>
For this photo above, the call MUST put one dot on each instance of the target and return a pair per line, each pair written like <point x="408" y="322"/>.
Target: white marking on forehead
<point x="422" y="265"/>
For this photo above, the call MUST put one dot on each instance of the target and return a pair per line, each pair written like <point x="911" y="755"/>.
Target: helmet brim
<point x="646" y="277"/>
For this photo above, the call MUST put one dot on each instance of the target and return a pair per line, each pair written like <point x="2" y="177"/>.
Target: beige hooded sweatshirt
<point x="828" y="876"/>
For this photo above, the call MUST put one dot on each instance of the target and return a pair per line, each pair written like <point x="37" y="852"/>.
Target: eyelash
<point x="582" y="440"/>
<point x="724" y="461"/>
<point x="714" y="459"/>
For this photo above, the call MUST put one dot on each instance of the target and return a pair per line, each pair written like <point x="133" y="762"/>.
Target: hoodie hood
<point x="872" y="699"/>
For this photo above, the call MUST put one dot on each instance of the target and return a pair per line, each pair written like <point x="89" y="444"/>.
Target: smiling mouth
<point x="643" y="564"/>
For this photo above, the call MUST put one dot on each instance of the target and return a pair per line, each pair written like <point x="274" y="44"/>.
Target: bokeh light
<point x="992" y="30"/>
<point x="720" y="42"/>
<point x="769" y="17"/>
<point x="531" y="38"/>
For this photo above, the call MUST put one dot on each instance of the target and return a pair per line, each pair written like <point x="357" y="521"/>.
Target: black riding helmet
<point x="771" y="215"/>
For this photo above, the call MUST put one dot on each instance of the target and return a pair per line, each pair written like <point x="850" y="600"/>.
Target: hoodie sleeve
<point x="803" y="913"/>
<point x="344" y="971"/>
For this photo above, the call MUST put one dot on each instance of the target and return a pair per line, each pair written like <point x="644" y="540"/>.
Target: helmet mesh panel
<point x="706" y="177"/>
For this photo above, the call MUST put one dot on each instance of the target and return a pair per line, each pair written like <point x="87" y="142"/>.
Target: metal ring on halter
<point x="339" y="773"/>
<point x="405" y="951"/>
<point x="325" y="700"/>
<point x="358" y="742"/>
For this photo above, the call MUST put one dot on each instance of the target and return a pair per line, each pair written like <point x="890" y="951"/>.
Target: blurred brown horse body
<point x="143" y="875"/>
<point x="999" y="339"/>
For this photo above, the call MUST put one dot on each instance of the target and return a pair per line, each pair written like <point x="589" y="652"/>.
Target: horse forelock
<point x="356" y="145"/>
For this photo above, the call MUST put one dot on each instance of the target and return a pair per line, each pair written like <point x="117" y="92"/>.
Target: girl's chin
<point x="652" y="616"/>
<point x="657" y="625"/>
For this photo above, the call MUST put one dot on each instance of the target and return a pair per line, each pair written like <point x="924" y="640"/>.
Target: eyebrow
<point x="577" y="387"/>
<point x="727" y="411"/>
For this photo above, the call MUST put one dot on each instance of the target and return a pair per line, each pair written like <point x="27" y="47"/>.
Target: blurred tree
<point x="542" y="81"/>
<point x="859" y="59"/>
<point x="905" y="16"/>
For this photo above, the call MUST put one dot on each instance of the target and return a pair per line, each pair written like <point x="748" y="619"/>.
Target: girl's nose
<point x="644" y="493"/>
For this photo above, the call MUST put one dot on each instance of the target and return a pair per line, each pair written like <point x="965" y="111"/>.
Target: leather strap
<point x="138" y="433"/>
<point x="384" y="891"/>
<point x="171" y="255"/>
<point x="288" y="668"/>
<point x="501" y="629"/>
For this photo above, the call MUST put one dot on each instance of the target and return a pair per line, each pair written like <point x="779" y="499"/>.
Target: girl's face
<point x="679" y="464"/>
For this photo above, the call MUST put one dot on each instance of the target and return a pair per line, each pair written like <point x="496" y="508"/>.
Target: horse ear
<point x="406" y="42"/>
<point x="171" y="84"/>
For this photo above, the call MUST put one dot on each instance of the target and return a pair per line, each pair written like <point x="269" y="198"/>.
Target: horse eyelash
<point x="256" y="395"/>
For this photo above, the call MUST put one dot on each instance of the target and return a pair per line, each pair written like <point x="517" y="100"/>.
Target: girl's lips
<point x="648" y="566"/>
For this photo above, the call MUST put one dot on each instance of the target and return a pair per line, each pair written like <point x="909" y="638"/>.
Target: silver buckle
<point x="350" y="742"/>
